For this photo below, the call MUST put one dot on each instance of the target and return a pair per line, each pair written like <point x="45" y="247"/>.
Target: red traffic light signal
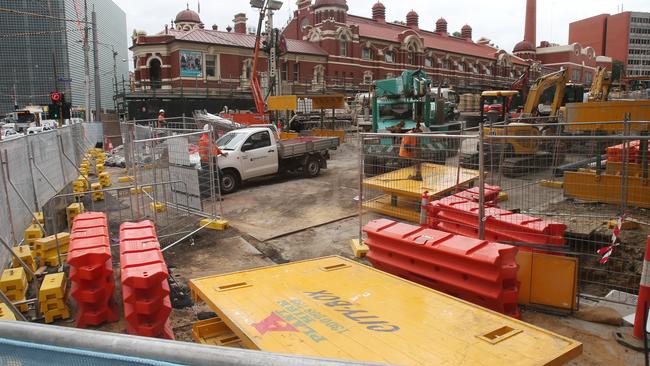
<point x="55" y="97"/>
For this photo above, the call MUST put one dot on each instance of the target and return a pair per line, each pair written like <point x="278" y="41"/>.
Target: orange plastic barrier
<point x="145" y="291"/>
<point x="91" y="270"/>
<point x="478" y="271"/>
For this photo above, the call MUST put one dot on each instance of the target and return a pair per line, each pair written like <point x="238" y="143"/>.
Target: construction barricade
<point x="46" y="248"/>
<point x="91" y="270"/>
<point x="51" y="298"/>
<point x="13" y="284"/>
<point x="145" y="290"/>
<point x="458" y="214"/>
<point x="477" y="271"/>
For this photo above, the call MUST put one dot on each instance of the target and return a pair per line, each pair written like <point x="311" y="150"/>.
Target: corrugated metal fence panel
<point x="31" y="185"/>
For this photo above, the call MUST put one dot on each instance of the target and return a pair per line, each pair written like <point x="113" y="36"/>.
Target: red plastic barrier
<point x="615" y="153"/>
<point x="478" y="271"/>
<point x="91" y="270"/>
<point x="472" y="194"/>
<point x="145" y="291"/>
<point x="459" y="215"/>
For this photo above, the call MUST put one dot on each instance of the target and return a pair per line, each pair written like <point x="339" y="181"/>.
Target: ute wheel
<point x="230" y="182"/>
<point x="311" y="168"/>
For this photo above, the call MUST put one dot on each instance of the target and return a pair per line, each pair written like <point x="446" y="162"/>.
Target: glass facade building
<point x="42" y="51"/>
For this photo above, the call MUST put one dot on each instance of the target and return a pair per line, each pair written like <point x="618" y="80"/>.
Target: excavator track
<point x="517" y="166"/>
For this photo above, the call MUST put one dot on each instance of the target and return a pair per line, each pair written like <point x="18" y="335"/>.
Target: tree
<point x="457" y="34"/>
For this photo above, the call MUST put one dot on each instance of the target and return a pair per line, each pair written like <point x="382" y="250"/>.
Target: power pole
<point x="98" y="92"/>
<point x="86" y="64"/>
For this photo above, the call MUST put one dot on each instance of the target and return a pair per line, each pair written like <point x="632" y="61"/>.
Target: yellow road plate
<point x="436" y="179"/>
<point x="337" y="308"/>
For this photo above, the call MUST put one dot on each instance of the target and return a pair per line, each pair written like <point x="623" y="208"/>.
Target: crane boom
<point x="557" y="79"/>
<point x="256" y="89"/>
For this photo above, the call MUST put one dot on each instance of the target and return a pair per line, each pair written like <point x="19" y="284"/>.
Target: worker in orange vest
<point x="206" y="154"/>
<point x="409" y="150"/>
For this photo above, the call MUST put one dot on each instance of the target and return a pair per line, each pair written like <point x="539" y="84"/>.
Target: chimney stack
<point x="379" y="13"/>
<point x="441" y="26"/>
<point x="412" y="19"/>
<point x="530" y="34"/>
<point x="240" y="23"/>
<point x="466" y="32"/>
<point x="215" y="27"/>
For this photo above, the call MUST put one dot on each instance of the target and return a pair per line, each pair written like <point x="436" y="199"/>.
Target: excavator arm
<point x="557" y="79"/>
<point x="600" y="86"/>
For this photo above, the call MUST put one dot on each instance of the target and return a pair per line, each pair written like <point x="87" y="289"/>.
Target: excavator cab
<point x="496" y="104"/>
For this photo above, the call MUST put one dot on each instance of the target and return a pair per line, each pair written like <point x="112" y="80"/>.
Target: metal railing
<point x="582" y="181"/>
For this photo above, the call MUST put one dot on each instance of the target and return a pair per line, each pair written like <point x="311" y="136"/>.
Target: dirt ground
<point x="280" y="220"/>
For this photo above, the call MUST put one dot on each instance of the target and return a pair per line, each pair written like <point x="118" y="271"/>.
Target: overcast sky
<point x="502" y="21"/>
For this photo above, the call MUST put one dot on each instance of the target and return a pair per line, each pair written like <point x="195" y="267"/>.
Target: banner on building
<point x="191" y="64"/>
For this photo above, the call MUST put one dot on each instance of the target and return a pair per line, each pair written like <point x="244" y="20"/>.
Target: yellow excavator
<point x="600" y="86"/>
<point x="516" y="157"/>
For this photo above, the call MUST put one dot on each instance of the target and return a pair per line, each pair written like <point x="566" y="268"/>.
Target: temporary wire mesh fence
<point x="548" y="188"/>
<point x="174" y="156"/>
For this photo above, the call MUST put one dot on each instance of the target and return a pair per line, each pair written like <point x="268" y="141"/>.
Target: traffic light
<point x="53" y="111"/>
<point x="56" y="97"/>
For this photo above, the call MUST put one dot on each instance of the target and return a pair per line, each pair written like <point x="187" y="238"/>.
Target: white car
<point x="9" y="134"/>
<point x="35" y="130"/>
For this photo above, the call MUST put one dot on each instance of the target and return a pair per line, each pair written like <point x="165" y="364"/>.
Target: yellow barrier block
<point x="126" y="179"/>
<point x="157" y="206"/>
<point x="359" y="249"/>
<point x="73" y="210"/>
<point x="52" y="253"/>
<point x="99" y="168"/>
<point x="215" y="332"/>
<point x="13" y="281"/>
<point x="38" y="218"/>
<point x="551" y="184"/>
<point x="25" y="254"/>
<point x="139" y="190"/>
<point x="52" y="259"/>
<point x="53" y="315"/>
<point x="32" y="233"/>
<point x="218" y="225"/>
<point x="105" y="179"/>
<point x="5" y="313"/>
<point x="49" y="242"/>
<point x="626" y="225"/>
<point x="503" y="196"/>
<point x="97" y="195"/>
<point x="53" y="287"/>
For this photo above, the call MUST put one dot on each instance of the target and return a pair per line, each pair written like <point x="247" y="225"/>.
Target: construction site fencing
<point x="177" y="184"/>
<point x="561" y="189"/>
<point x="36" y="168"/>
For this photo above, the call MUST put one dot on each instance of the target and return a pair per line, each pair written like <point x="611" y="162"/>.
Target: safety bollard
<point x="644" y="295"/>
<point x="423" y="208"/>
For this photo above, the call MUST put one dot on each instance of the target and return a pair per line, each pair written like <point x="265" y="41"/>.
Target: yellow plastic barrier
<point x="32" y="233"/>
<point x="51" y="297"/>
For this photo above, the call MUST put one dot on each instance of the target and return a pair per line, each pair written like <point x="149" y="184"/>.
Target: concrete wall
<point x="35" y="168"/>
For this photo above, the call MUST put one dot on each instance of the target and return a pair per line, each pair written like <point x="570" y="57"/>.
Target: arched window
<point x="389" y="57"/>
<point x="367" y="54"/>
<point x="343" y="46"/>
<point x="428" y="62"/>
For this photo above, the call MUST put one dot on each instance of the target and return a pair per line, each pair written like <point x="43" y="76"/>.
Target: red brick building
<point x="624" y="37"/>
<point x="326" y="48"/>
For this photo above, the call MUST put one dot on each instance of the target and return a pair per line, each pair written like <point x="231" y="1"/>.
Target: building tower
<point x="526" y="48"/>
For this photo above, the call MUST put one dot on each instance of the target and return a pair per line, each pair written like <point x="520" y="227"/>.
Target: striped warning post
<point x="644" y="295"/>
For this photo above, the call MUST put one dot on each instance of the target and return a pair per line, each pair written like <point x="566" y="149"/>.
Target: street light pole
<point x="98" y="91"/>
<point x="86" y="65"/>
<point x="115" y="77"/>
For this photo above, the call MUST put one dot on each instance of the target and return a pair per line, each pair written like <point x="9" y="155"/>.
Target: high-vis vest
<point x="407" y="149"/>
<point x="204" y="148"/>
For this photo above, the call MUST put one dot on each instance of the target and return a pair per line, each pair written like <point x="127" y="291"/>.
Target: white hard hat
<point x="162" y="111"/>
<point x="206" y="127"/>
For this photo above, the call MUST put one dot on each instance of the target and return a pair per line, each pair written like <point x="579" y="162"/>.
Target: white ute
<point x="257" y="152"/>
